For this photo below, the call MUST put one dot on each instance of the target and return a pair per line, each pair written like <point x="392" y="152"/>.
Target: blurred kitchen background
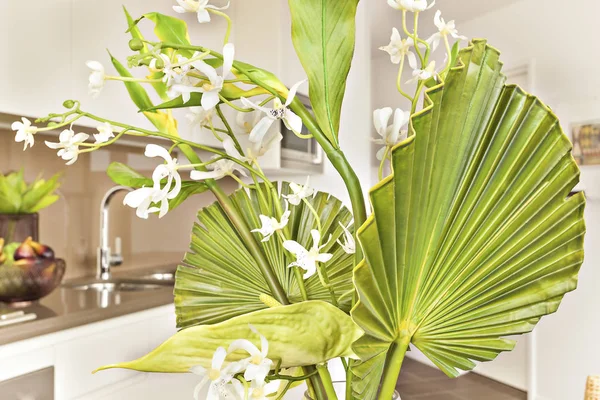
<point x="549" y="47"/>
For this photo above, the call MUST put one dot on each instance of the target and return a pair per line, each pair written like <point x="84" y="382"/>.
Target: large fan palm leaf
<point x="474" y="236"/>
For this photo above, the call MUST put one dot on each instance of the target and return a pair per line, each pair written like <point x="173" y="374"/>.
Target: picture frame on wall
<point x="586" y="143"/>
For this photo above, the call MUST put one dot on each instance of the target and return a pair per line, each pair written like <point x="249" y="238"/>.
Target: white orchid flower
<point x="445" y="29"/>
<point x="399" y="48"/>
<point x="200" y="7"/>
<point x="246" y="121"/>
<point x="218" y="170"/>
<point x="349" y="244"/>
<point x="257" y="150"/>
<point x="299" y="192"/>
<point x="390" y="134"/>
<point x="68" y="145"/>
<point x="258" y="365"/>
<point x="198" y="116"/>
<point x="307" y="259"/>
<point x="424" y="74"/>
<point x="168" y="170"/>
<point x="142" y="199"/>
<point x="278" y="112"/>
<point x="218" y="377"/>
<point x="97" y="78"/>
<point x="25" y="132"/>
<point x="210" y="90"/>
<point x="263" y="391"/>
<point x="270" y="225"/>
<point x="105" y="133"/>
<point x="173" y="72"/>
<point x="411" y="5"/>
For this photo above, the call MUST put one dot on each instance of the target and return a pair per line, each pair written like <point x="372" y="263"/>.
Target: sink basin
<point x="113" y="285"/>
<point x="160" y="276"/>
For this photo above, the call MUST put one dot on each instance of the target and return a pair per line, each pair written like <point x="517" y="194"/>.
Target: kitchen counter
<point x="67" y="308"/>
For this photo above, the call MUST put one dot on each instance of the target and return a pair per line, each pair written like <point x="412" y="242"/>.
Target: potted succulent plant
<point x="20" y="203"/>
<point x="28" y="269"/>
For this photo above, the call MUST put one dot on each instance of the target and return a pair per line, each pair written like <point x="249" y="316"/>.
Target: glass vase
<point x="18" y="227"/>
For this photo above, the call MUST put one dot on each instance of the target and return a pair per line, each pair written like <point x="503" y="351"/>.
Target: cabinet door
<point x="35" y="73"/>
<point x="77" y="358"/>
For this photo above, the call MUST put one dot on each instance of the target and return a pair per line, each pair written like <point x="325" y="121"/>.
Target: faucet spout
<point x="106" y="258"/>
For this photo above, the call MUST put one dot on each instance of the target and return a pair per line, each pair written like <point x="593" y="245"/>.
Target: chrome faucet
<point x="106" y="258"/>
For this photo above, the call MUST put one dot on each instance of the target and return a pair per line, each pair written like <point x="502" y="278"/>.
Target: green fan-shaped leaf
<point x="301" y="334"/>
<point x="221" y="279"/>
<point x="473" y="237"/>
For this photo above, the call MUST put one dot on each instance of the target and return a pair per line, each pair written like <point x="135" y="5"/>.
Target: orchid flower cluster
<point x="245" y="379"/>
<point x="394" y="130"/>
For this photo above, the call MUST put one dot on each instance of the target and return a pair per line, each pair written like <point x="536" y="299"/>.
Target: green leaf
<point x="473" y="237"/>
<point x="136" y="91"/>
<point x="323" y="33"/>
<point x="171" y="30"/>
<point x="326" y="333"/>
<point x="230" y="92"/>
<point x="40" y="195"/>
<point x="122" y="174"/>
<point x="221" y="279"/>
<point x="16" y="197"/>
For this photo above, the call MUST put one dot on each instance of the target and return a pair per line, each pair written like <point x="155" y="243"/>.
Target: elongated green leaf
<point x="122" y="174"/>
<point x="323" y="33"/>
<point x="220" y="278"/>
<point x="473" y="237"/>
<point x="136" y="91"/>
<point x="302" y="334"/>
<point x="171" y="30"/>
<point x="230" y="92"/>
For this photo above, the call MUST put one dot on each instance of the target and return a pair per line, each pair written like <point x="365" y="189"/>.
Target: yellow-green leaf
<point x="170" y="30"/>
<point x="474" y="237"/>
<point x="301" y="334"/>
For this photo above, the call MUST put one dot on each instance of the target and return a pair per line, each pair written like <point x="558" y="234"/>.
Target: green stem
<point x="349" y="377"/>
<point x="392" y="368"/>
<point x="327" y="382"/>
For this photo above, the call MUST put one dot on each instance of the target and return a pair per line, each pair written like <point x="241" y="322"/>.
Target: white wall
<point x="561" y="40"/>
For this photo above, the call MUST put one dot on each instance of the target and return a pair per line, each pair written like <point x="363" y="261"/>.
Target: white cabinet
<point x="76" y="352"/>
<point x="35" y="37"/>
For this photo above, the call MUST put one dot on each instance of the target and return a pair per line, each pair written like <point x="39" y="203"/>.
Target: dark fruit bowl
<point x="29" y="280"/>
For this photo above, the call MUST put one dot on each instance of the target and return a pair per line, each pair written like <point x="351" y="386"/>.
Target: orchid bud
<point x="136" y="44"/>
<point x="69" y="104"/>
<point x="159" y="63"/>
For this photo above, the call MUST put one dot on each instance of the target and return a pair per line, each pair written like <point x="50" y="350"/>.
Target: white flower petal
<point x="293" y="91"/>
<point x="153" y="150"/>
<point x="210" y="100"/>
<point x="219" y="358"/>
<point x="228" y="56"/>
<point x="293" y="121"/>
<point x="203" y="16"/>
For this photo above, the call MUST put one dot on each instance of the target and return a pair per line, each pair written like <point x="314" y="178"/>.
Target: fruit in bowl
<point x="28" y="271"/>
